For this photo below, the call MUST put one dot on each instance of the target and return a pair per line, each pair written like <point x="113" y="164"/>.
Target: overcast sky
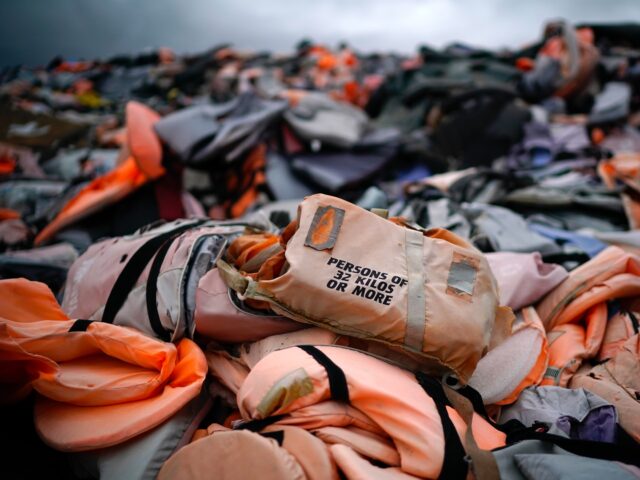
<point x="33" y="31"/>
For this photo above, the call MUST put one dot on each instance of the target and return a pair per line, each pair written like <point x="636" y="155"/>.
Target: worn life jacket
<point x="98" y="384"/>
<point x="294" y="378"/>
<point x="515" y="364"/>
<point x="585" y="286"/>
<point x="617" y="381"/>
<point x="621" y="326"/>
<point x="70" y="427"/>
<point x="575" y="313"/>
<point x="428" y="294"/>
<point x="142" y="163"/>
<point x="153" y="279"/>
<point x="220" y="315"/>
<point x="572" y="343"/>
<point x="283" y="452"/>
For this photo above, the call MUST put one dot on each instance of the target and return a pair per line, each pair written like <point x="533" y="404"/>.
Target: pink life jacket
<point x="515" y="364"/>
<point x="294" y="378"/>
<point x="163" y="282"/>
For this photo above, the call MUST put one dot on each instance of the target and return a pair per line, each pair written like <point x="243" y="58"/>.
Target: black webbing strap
<point x="152" y="290"/>
<point x="634" y="322"/>
<point x="258" y="424"/>
<point x="278" y="436"/>
<point x="622" y="451"/>
<point x="134" y="268"/>
<point x="337" y="379"/>
<point x="454" y="464"/>
<point x="475" y="398"/>
<point x="337" y="385"/>
<point x="80" y="325"/>
<point x="560" y="258"/>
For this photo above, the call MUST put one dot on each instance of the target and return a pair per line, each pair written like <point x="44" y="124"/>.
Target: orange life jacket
<point x="98" y="384"/>
<point x="142" y="164"/>
<point x="575" y="312"/>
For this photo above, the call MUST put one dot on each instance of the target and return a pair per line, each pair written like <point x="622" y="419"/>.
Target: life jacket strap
<point x="232" y="277"/>
<point x="483" y="463"/>
<point x="454" y="464"/>
<point x="337" y="379"/>
<point x="152" y="290"/>
<point x="134" y="268"/>
<point x="80" y="325"/>
<point x="258" y="424"/>
<point x="625" y="450"/>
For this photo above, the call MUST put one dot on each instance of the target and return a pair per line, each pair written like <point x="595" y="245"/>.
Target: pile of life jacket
<point x="324" y="263"/>
<point x="345" y="344"/>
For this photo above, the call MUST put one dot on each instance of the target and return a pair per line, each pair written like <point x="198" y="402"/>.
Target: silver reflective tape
<point x="552" y="372"/>
<point x="416" y="305"/>
<point x="462" y="277"/>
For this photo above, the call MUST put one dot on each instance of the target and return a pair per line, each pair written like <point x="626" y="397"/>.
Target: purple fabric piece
<point x="535" y="149"/>
<point x="573" y="413"/>
<point x="523" y="278"/>
<point x="599" y="425"/>
<point x="569" y="138"/>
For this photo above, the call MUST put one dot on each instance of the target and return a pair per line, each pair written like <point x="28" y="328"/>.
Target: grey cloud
<point x="36" y="30"/>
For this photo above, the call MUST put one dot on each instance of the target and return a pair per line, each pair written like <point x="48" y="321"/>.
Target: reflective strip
<point x="324" y="229"/>
<point x="416" y="306"/>
<point x="552" y="372"/>
<point x="462" y="276"/>
<point x="381" y="212"/>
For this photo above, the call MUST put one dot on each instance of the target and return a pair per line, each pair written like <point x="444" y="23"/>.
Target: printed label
<point x="362" y="281"/>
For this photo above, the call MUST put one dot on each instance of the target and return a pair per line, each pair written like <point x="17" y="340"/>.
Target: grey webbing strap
<point x="416" y="305"/>
<point x="483" y="463"/>
<point x="232" y="277"/>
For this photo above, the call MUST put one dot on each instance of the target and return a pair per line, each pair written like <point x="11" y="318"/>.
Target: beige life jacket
<point x="428" y="294"/>
<point x="281" y="453"/>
